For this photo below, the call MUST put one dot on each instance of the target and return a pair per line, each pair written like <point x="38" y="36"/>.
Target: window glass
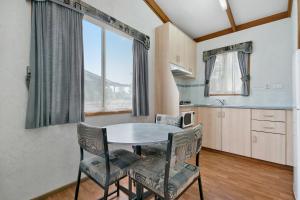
<point x="92" y="41"/>
<point x="226" y="75"/>
<point x="119" y="58"/>
<point x="115" y="93"/>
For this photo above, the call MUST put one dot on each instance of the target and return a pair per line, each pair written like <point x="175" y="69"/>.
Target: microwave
<point x="188" y="119"/>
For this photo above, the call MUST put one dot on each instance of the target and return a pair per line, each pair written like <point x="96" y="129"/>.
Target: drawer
<point x="268" y="126"/>
<point x="269" y="115"/>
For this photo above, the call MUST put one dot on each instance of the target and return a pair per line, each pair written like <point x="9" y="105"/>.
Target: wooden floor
<point x="223" y="176"/>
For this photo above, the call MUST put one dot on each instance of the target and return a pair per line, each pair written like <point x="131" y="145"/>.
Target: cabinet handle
<point x="270" y="128"/>
<point x="219" y="114"/>
<point x="254" y="139"/>
<point x="268" y="115"/>
<point x="223" y="114"/>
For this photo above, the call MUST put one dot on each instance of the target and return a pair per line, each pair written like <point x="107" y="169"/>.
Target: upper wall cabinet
<point x="181" y="49"/>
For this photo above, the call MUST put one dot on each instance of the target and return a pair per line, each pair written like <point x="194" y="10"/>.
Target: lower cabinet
<point x="268" y="147"/>
<point x="260" y="134"/>
<point x="236" y="134"/>
<point x="211" y="120"/>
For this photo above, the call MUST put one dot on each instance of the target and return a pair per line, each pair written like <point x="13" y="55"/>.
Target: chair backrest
<point x="183" y="145"/>
<point x="168" y="120"/>
<point x="92" y="139"/>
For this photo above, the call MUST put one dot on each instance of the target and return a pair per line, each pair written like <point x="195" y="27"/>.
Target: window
<point x="226" y="75"/>
<point x="108" y="69"/>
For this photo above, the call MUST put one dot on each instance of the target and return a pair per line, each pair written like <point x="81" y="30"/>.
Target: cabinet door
<point x="190" y="56"/>
<point x="176" y="41"/>
<point x="211" y="120"/>
<point x="268" y="146"/>
<point x="236" y="135"/>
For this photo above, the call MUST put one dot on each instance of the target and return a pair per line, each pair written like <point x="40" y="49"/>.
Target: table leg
<point x="139" y="188"/>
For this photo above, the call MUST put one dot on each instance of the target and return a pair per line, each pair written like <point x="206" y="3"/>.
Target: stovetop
<point x="185" y="102"/>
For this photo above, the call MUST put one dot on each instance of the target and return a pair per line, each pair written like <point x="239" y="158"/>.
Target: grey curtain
<point x="140" y="105"/>
<point x="209" y="67"/>
<point x="56" y="61"/>
<point x="244" y="67"/>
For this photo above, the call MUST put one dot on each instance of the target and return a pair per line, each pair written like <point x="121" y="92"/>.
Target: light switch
<point x="268" y="86"/>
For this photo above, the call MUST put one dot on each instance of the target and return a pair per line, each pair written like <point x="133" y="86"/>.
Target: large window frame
<point x="105" y="28"/>
<point x="230" y="94"/>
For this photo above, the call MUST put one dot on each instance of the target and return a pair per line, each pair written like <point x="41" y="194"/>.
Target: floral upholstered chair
<point x="169" y="176"/>
<point x="160" y="149"/>
<point x="103" y="168"/>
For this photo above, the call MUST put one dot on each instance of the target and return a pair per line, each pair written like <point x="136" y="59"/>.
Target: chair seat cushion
<point x="154" y="150"/>
<point x="120" y="160"/>
<point x="150" y="172"/>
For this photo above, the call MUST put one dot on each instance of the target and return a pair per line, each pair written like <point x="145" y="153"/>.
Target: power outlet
<point x="277" y="86"/>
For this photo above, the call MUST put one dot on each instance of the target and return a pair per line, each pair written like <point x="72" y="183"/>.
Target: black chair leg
<point x="200" y="188"/>
<point x="106" y="188"/>
<point x="118" y="188"/>
<point x="130" y="189"/>
<point x="77" y="186"/>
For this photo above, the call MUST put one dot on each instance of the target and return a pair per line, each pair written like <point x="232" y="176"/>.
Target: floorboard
<point x="224" y="177"/>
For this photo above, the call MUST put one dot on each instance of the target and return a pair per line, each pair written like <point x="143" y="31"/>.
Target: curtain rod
<point x="91" y="11"/>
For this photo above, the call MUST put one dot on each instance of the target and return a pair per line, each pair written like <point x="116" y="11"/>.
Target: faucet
<point x="221" y="101"/>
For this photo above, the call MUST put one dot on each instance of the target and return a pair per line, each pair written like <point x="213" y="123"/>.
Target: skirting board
<point x="287" y="167"/>
<point x="44" y="196"/>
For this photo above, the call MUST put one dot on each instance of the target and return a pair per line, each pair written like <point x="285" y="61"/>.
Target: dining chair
<point x="169" y="176"/>
<point x="104" y="168"/>
<point x="160" y="149"/>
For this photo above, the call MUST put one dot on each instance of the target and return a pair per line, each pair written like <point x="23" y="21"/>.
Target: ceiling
<point x="200" y="18"/>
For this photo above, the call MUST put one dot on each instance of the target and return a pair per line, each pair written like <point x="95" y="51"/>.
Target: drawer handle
<point x="270" y="128"/>
<point x="268" y="115"/>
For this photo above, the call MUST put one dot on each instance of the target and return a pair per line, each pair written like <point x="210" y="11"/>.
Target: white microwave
<point x="188" y="119"/>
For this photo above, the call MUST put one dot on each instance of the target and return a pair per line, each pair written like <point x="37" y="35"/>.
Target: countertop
<point x="239" y="106"/>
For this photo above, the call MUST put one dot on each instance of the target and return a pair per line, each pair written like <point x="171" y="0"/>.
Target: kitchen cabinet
<point x="261" y="134"/>
<point x="172" y="47"/>
<point x="166" y="93"/>
<point x="236" y="131"/>
<point x="272" y="136"/>
<point x="177" y="44"/>
<point x="181" y="49"/>
<point x="190" y="56"/>
<point x="268" y="146"/>
<point x="211" y="120"/>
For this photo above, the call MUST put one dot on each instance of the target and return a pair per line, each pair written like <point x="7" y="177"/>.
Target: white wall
<point x="33" y="162"/>
<point x="270" y="64"/>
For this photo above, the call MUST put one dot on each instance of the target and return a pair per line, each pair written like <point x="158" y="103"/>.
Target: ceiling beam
<point x="244" y="26"/>
<point x="230" y="17"/>
<point x="157" y="10"/>
<point x="290" y="7"/>
<point x="213" y="35"/>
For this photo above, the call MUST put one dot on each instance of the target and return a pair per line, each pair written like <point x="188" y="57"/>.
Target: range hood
<point x="179" y="71"/>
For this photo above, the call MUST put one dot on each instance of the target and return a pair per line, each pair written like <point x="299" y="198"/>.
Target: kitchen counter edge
<point x="239" y="107"/>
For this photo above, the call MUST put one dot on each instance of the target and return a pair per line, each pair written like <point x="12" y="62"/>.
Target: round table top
<point x="139" y="133"/>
